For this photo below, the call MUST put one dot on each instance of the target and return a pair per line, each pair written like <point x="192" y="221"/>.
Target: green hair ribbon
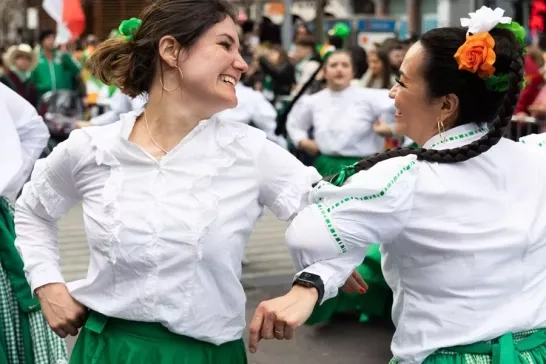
<point x="501" y="82"/>
<point x="341" y="30"/>
<point x="517" y="29"/>
<point x="498" y="83"/>
<point x="343" y="175"/>
<point x="128" y="28"/>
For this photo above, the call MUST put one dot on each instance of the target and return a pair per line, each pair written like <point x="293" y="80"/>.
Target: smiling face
<point x="416" y="114"/>
<point x="339" y="71"/>
<point x="211" y="68"/>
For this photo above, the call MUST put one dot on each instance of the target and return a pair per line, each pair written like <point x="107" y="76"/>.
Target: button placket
<point x="154" y="249"/>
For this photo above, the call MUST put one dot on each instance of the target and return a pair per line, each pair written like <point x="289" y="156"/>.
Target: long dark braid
<point x="497" y="127"/>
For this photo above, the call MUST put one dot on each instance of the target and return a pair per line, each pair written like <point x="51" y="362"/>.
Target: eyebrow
<point x="228" y="36"/>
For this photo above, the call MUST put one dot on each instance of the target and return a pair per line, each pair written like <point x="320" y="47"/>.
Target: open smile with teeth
<point x="228" y="79"/>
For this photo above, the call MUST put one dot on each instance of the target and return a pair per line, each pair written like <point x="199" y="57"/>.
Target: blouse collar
<point x="128" y="122"/>
<point x="457" y="137"/>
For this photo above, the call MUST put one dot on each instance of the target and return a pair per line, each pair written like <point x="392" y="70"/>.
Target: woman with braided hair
<point x="461" y="219"/>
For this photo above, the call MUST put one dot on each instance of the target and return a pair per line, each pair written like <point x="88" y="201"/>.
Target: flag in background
<point x="69" y="16"/>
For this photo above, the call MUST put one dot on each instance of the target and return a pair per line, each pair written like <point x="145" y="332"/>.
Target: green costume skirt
<point x="25" y="337"/>
<point x="520" y="348"/>
<point x="377" y="301"/>
<point x="106" y="340"/>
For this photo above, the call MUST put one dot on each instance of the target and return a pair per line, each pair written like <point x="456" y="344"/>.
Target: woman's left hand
<point x="280" y="317"/>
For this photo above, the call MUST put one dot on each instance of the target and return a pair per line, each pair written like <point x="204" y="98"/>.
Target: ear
<point x="169" y="50"/>
<point x="449" y="107"/>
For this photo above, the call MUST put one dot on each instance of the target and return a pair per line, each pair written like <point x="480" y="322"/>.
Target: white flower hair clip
<point x="484" y="19"/>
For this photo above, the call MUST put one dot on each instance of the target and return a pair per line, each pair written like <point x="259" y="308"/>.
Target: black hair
<point x="476" y="102"/>
<point x="336" y="41"/>
<point x="44" y="34"/>
<point x="360" y="60"/>
<point x="383" y="55"/>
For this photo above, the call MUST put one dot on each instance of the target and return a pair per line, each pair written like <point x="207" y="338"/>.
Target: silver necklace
<point x="150" y="133"/>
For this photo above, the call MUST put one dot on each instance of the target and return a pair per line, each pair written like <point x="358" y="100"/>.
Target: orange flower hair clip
<point x="476" y="55"/>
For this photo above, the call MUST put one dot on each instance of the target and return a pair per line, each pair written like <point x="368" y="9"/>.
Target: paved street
<point x="266" y="276"/>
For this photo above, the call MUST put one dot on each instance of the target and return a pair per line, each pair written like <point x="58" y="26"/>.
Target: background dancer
<point x="343" y="118"/>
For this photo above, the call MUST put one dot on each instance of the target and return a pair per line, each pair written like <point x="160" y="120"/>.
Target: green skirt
<point x="377" y="301"/>
<point x="106" y="340"/>
<point x="521" y="348"/>
<point x="25" y="337"/>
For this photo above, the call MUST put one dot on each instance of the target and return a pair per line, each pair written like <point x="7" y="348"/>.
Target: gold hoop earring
<point x="179" y="83"/>
<point x="441" y="130"/>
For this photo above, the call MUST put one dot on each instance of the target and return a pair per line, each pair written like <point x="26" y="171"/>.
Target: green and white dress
<point x="342" y="126"/>
<point x="25" y="337"/>
<point x="463" y="249"/>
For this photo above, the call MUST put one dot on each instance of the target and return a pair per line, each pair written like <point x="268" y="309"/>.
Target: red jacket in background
<point x="533" y="81"/>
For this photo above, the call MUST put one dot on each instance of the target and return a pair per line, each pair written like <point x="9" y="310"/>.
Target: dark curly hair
<point x="476" y="102"/>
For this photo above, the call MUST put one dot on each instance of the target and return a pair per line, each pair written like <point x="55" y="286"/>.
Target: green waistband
<point x="150" y="331"/>
<point x="504" y="349"/>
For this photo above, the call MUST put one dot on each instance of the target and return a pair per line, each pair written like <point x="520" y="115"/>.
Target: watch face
<point x="303" y="276"/>
<point x="305" y="284"/>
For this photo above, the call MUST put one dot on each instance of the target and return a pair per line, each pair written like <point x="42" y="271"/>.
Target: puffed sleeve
<point x="49" y="195"/>
<point x="330" y="237"/>
<point x="285" y="181"/>
<point x="538" y="140"/>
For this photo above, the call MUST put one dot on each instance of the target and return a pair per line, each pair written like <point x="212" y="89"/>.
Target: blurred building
<point x="411" y="16"/>
<point x="102" y="16"/>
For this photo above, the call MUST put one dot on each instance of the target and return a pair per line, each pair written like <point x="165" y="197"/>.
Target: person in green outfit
<point x="55" y="70"/>
<point x="344" y="120"/>
<point x="170" y="195"/>
<point x="461" y="220"/>
<point x="25" y="336"/>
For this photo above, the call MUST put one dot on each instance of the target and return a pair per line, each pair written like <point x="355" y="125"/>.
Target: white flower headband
<point x="484" y="19"/>
<point x="477" y="54"/>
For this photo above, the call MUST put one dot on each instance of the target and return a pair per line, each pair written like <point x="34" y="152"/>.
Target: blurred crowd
<point x="276" y="74"/>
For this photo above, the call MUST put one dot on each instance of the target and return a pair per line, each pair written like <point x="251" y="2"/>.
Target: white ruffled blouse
<point x="463" y="244"/>
<point x="166" y="236"/>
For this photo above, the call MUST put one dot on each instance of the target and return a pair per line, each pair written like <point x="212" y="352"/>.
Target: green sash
<point x="504" y="350"/>
<point x="107" y="340"/>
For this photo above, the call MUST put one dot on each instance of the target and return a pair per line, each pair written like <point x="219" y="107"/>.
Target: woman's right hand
<point x="63" y="313"/>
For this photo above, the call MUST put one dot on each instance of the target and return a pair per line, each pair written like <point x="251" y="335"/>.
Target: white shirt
<point x="117" y="104"/>
<point x="342" y="121"/>
<point x="463" y="244"/>
<point x="252" y="106"/>
<point x="166" y="237"/>
<point x="538" y="140"/>
<point x="23" y="137"/>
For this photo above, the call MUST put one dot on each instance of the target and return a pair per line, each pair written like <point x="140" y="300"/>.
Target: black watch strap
<point x="311" y="280"/>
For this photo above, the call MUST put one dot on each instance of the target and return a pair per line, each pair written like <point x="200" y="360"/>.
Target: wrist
<point x="310" y="293"/>
<point x="312" y="283"/>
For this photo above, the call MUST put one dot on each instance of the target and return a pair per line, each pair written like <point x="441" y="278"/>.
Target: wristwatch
<point x="311" y="280"/>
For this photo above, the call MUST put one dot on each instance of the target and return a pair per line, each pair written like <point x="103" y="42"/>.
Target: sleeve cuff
<point x="45" y="275"/>
<point x="330" y="287"/>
